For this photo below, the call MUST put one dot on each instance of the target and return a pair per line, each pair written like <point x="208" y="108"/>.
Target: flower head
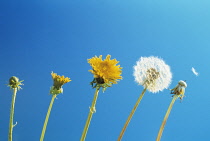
<point x="59" y="81"/>
<point x="179" y="89"/>
<point x="152" y="73"/>
<point x="15" y="83"/>
<point x="105" y="71"/>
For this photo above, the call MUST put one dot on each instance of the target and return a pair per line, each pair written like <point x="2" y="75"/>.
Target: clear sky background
<point x="37" y="37"/>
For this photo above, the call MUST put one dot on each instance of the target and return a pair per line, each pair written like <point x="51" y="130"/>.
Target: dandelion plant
<point x="56" y="89"/>
<point x="178" y="91"/>
<point x="106" y="72"/>
<point x="154" y="75"/>
<point x="14" y="84"/>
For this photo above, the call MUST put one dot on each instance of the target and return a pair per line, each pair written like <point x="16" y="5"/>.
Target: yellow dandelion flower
<point x="59" y="81"/>
<point x="105" y="71"/>
<point x="56" y="89"/>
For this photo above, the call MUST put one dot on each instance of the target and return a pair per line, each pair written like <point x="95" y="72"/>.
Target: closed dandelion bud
<point x="179" y="89"/>
<point x="14" y="82"/>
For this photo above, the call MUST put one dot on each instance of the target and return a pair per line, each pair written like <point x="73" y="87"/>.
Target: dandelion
<point x="106" y="72"/>
<point x="14" y="84"/>
<point x="56" y="89"/>
<point x="178" y="92"/>
<point x="59" y="81"/>
<point x="154" y="75"/>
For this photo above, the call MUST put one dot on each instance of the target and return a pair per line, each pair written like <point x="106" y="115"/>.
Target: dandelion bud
<point x="14" y="82"/>
<point x="179" y="89"/>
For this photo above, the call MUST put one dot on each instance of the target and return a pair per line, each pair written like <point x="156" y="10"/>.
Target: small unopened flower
<point x="152" y="73"/>
<point x="15" y="83"/>
<point x="106" y="72"/>
<point x="179" y="89"/>
<point x="59" y="81"/>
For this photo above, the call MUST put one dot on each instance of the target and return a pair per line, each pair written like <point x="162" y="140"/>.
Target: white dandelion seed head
<point x="152" y="73"/>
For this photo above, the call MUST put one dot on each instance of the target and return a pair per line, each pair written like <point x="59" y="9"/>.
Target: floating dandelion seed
<point x="194" y="71"/>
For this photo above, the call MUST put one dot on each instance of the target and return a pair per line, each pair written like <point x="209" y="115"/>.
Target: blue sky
<point x="37" y="37"/>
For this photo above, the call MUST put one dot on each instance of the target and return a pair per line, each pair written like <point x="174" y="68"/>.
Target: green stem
<point x="131" y="114"/>
<point x="92" y="110"/>
<point x="166" y="117"/>
<point x="47" y="117"/>
<point x="11" y="125"/>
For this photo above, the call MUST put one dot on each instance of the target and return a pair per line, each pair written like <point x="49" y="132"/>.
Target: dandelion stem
<point x="47" y="117"/>
<point x="92" y="110"/>
<point x="131" y="114"/>
<point x="166" y="117"/>
<point x="12" y="114"/>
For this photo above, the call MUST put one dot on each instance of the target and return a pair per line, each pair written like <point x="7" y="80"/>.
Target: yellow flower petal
<point x="106" y="69"/>
<point x="59" y="81"/>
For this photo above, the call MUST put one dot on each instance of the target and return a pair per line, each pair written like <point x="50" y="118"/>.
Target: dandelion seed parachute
<point x="194" y="71"/>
